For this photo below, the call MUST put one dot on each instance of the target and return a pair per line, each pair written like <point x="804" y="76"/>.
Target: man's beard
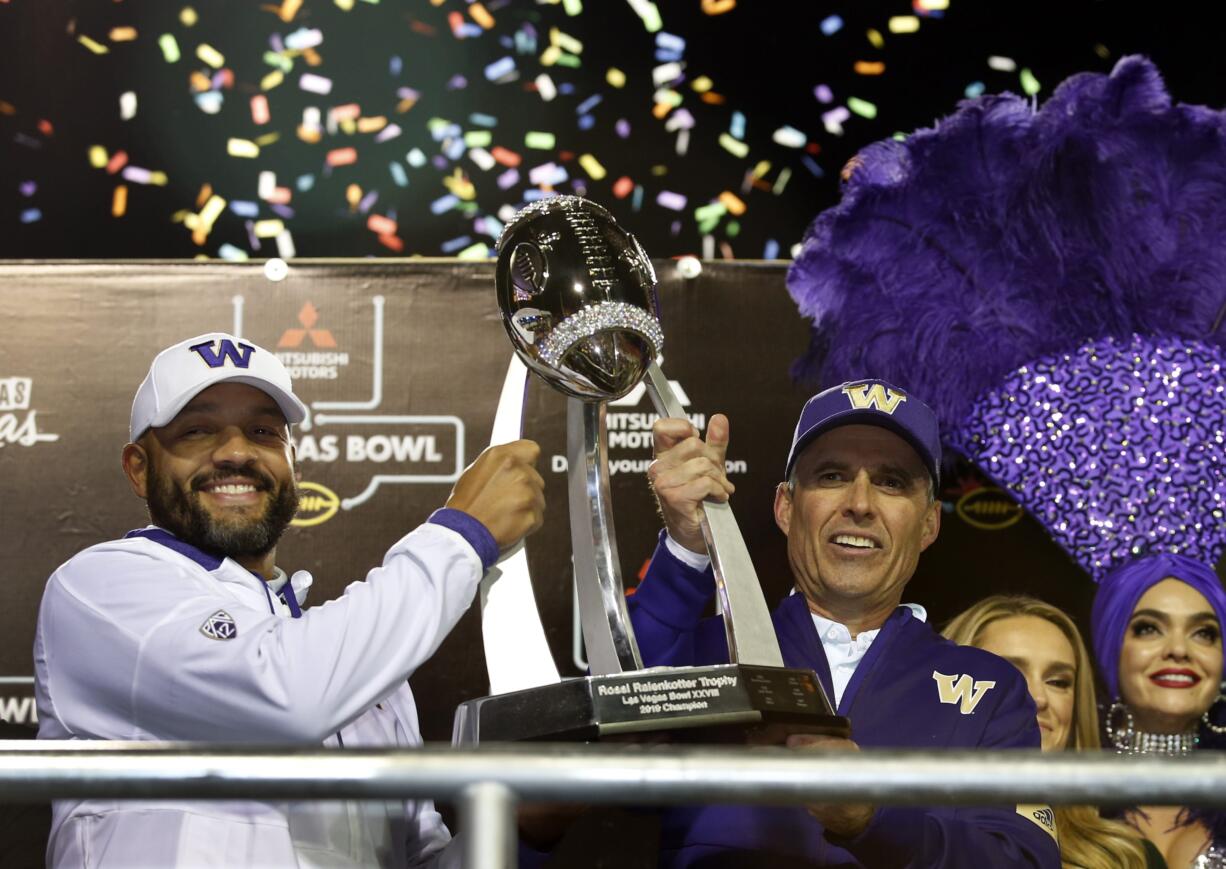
<point x="183" y="514"/>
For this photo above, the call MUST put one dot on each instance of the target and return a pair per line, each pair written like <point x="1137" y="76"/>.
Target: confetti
<point x="592" y="167"/>
<point x="789" y="137"/>
<point x="242" y="148"/>
<point x="210" y="55"/>
<point x="288" y="9"/>
<point x="501" y="69"/>
<point x="648" y="13"/>
<point x="733" y="146"/>
<point x="119" y="201"/>
<point x="732" y="203"/>
<point x="95" y="47"/>
<point x="444" y="204"/>
<point x="1002" y="64"/>
<point x="1030" y="84"/>
<point x="209" y="102"/>
<point x="545" y="87"/>
<point x="701" y="156"/>
<point x="565" y="42"/>
<point x="484" y="160"/>
<point x="670" y="200"/>
<point x="539" y="140"/>
<point x="863" y="108"/>
<point x="118" y="160"/>
<point x="304" y="38"/>
<point x="169" y="48"/>
<point x="833" y="120"/>
<point x="342" y="156"/>
<point x="315" y="84"/>
<point x="547" y="175"/>
<point x="259" y="110"/>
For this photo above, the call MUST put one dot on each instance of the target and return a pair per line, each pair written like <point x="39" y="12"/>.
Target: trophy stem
<point x="747" y="621"/>
<point x="607" y="632"/>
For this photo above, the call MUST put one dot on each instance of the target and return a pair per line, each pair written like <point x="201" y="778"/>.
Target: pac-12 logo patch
<point x="219" y="626"/>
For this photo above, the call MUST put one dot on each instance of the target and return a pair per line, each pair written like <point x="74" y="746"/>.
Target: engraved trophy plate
<point x="577" y="294"/>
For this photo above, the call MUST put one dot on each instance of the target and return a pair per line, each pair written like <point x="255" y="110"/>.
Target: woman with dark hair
<point x="1046" y="646"/>
<point x="1157" y="631"/>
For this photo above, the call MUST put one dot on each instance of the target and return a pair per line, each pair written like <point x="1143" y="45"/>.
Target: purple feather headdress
<point x="1007" y="251"/>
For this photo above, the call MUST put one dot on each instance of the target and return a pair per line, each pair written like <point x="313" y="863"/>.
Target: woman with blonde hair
<point x="1046" y="646"/>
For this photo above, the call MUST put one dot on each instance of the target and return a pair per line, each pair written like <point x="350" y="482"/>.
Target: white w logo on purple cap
<point x="239" y="356"/>
<point x="873" y="396"/>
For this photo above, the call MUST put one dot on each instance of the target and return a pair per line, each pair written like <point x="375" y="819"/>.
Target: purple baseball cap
<point x="870" y="402"/>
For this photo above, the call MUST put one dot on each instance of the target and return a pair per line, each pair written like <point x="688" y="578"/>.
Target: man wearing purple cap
<point x="858" y="507"/>
<point x="188" y="630"/>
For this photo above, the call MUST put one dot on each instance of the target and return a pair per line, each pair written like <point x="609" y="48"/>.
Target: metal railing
<point x="486" y="783"/>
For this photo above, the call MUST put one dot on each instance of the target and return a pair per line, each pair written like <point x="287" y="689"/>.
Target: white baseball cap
<point x="180" y="373"/>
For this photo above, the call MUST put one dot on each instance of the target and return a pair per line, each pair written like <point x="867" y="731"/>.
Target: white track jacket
<point x="147" y="638"/>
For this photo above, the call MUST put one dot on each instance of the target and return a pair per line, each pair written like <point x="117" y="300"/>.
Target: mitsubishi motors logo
<point x="308" y="352"/>
<point x="308" y="317"/>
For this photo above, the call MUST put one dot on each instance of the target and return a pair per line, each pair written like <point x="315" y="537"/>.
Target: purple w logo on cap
<point x="239" y="356"/>
<point x="870" y="402"/>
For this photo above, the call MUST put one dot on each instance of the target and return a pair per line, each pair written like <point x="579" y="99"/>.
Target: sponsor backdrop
<point x="401" y="363"/>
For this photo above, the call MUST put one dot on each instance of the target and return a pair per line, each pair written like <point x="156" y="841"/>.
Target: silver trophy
<point x="577" y="295"/>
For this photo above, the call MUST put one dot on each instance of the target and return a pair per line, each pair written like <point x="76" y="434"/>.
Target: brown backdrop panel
<point x="401" y="363"/>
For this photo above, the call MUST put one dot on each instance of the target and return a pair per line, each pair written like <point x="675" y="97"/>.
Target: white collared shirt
<point x="844" y="653"/>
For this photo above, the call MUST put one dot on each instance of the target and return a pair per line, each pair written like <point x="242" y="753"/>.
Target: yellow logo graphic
<point x="988" y="509"/>
<point x="316" y="505"/>
<point x="961" y="689"/>
<point x="875" y="396"/>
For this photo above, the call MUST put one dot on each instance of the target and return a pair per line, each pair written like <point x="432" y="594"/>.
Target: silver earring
<point x="1121" y="738"/>
<point x="1208" y="721"/>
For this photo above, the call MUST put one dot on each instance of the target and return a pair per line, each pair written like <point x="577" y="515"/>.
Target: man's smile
<point x="855" y="543"/>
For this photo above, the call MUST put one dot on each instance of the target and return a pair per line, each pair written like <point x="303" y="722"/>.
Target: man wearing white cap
<point x="188" y="630"/>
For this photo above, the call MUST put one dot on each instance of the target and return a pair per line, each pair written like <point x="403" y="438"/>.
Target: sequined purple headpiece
<point x="1053" y="283"/>
<point x="1117" y="447"/>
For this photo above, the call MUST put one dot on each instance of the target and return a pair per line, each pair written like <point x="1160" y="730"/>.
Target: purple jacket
<point x="894" y="700"/>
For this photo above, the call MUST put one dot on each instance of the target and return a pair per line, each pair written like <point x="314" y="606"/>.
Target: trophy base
<point x="729" y="701"/>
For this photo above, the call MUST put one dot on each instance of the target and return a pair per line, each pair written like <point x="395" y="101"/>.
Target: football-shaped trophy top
<point x="577" y="295"/>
